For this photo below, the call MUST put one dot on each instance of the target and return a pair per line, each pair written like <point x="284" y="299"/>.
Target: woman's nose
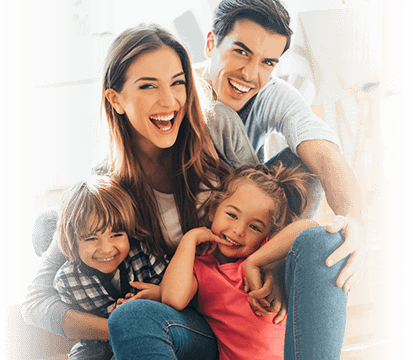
<point x="167" y="98"/>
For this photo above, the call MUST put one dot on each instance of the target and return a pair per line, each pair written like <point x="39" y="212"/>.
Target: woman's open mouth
<point x="163" y="122"/>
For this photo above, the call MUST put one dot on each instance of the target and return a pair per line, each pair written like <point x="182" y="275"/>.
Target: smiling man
<point x="247" y="39"/>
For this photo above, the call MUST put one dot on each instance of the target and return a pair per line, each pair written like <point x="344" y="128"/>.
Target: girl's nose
<point x="239" y="229"/>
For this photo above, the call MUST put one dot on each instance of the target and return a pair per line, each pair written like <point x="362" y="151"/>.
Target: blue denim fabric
<point x="144" y="329"/>
<point x="317" y="308"/>
<point x="92" y="350"/>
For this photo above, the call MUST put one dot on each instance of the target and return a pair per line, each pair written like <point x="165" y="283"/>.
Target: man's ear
<point x="210" y="43"/>
<point x="114" y="99"/>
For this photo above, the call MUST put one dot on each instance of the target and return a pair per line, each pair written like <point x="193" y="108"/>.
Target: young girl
<point x="251" y="206"/>
<point x="106" y="264"/>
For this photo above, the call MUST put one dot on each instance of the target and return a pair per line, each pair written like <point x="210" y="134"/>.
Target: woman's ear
<point x="114" y="99"/>
<point x="210" y="44"/>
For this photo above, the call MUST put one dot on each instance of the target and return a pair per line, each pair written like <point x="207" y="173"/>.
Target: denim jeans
<point x="144" y="329"/>
<point x="91" y="350"/>
<point x="316" y="318"/>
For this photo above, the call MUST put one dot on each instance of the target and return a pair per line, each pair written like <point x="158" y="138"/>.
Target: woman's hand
<point x="265" y="299"/>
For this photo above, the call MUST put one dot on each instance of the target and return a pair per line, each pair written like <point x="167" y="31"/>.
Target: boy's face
<point x="243" y="220"/>
<point x="104" y="251"/>
<point x="242" y="64"/>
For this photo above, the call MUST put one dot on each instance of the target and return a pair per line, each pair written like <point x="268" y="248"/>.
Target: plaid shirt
<point x="88" y="289"/>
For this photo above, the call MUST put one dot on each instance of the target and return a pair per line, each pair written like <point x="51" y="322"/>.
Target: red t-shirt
<point x="221" y="298"/>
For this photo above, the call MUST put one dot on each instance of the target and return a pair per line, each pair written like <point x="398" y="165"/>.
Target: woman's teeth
<point x="230" y="241"/>
<point x="163" y="122"/>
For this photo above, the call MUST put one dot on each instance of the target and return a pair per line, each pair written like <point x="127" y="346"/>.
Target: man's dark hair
<point x="270" y="14"/>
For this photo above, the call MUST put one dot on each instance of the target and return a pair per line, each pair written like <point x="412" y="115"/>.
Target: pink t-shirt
<point x="221" y="298"/>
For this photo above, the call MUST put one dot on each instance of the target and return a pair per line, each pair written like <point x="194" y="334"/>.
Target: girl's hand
<point x="265" y="299"/>
<point x="120" y="301"/>
<point x="204" y="239"/>
<point x="147" y="291"/>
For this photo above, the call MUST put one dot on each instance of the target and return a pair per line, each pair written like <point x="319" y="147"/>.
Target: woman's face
<point x="153" y="97"/>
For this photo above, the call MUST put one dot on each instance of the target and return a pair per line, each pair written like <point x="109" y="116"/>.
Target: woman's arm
<point x="43" y="307"/>
<point x="179" y="284"/>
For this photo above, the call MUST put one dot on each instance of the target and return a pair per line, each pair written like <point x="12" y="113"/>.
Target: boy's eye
<point x="119" y="234"/>
<point x="91" y="238"/>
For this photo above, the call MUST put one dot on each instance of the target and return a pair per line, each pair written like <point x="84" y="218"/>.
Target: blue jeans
<point x="315" y="323"/>
<point x="144" y="329"/>
<point x="91" y="350"/>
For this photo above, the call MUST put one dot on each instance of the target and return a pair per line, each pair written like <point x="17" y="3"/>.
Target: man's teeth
<point x="230" y="241"/>
<point x="239" y="87"/>
<point x="107" y="259"/>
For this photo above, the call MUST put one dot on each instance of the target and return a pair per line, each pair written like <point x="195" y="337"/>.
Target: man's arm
<point x="345" y="198"/>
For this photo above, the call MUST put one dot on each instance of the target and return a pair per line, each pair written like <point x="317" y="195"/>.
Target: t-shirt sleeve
<point x="281" y="108"/>
<point x="42" y="305"/>
<point x="230" y="137"/>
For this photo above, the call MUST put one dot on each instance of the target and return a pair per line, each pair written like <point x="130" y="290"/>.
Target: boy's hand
<point x="147" y="291"/>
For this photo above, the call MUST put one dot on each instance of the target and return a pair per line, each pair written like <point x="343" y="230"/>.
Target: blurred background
<point x="349" y="58"/>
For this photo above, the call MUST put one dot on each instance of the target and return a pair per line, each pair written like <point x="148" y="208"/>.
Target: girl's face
<point x="153" y="97"/>
<point x="243" y="220"/>
<point x="104" y="251"/>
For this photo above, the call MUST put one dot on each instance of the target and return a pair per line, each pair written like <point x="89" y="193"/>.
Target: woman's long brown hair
<point x="194" y="155"/>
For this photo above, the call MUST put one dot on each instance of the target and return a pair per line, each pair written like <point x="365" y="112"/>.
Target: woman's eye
<point x="179" y="82"/>
<point x="146" y="86"/>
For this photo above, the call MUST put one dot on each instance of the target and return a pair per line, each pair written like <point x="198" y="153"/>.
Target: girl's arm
<point x="279" y="244"/>
<point x="179" y="284"/>
<point x="43" y="307"/>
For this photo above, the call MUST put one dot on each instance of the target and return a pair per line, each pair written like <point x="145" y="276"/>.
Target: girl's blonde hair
<point x="194" y="156"/>
<point x="91" y="206"/>
<point x="275" y="182"/>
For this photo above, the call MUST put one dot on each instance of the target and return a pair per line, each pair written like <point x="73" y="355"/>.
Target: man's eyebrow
<point x="145" y="78"/>
<point x="247" y="49"/>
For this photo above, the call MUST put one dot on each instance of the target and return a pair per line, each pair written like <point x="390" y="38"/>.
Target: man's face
<point x="242" y="64"/>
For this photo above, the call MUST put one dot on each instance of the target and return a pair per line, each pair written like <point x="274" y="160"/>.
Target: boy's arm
<point x="179" y="284"/>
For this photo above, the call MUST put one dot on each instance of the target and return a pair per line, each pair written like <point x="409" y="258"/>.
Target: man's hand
<point x="354" y="245"/>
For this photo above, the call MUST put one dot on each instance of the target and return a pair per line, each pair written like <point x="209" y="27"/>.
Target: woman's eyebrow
<point x="145" y="78"/>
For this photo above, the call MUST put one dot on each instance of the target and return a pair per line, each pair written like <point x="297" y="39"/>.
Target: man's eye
<point x="269" y="63"/>
<point x="240" y="51"/>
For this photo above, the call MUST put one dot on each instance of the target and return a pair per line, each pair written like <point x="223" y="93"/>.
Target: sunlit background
<point x="348" y="58"/>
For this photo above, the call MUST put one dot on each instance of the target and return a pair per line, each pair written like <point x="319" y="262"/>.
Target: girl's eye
<point x="146" y="86"/>
<point x="231" y="215"/>
<point x="255" y="228"/>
